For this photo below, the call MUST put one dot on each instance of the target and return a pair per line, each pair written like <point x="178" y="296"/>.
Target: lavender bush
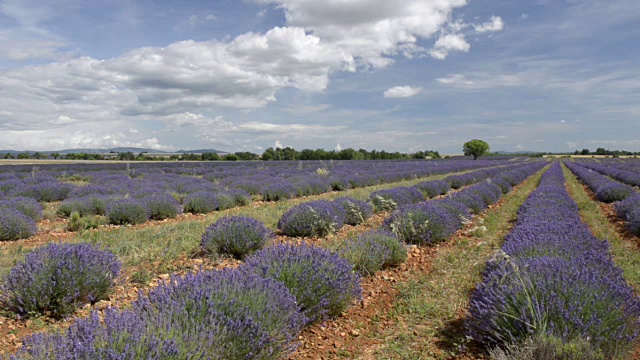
<point x="239" y="196"/>
<point x="313" y="218"/>
<point x="48" y="191"/>
<point x="85" y="206"/>
<point x="502" y="184"/>
<point x="127" y="335"/>
<point x="356" y="211"/>
<point x="28" y="206"/>
<point x="237" y="236"/>
<point x="372" y="251"/>
<point x="277" y="191"/>
<point x="456" y="181"/>
<point x="613" y="192"/>
<point x="554" y="279"/>
<point x="15" y="225"/>
<point x="231" y="309"/>
<point x="470" y="199"/>
<point x="489" y="193"/>
<point x="625" y="206"/>
<point x="57" y="278"/>
<point x="433" y="188"/>
<point x="633" y="217"/>
<point x="422" y="223"/>
<point x="338" y="183"/>
<point x="547" y="295"/>
<point x="204" y="202"/>
<point x="391" y="199"/>
<point x="128" y="211"/>
<point x="321" y="282"/>
<point x="162" y="206"/>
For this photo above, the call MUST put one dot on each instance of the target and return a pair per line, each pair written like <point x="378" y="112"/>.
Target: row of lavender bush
<point x="391" y="199"/>
<point x="137" y="195"/>
<point x="323" y="217"/>
<point x="274" y="181"/>
<point x="628" y="173"/>
<point x="253" y="312"/>
<point x="554" y="286"/>
<point x="434" y="221"/>
<point x="319" y="218"/>
<point x="297" y="267"/>
<point x="627" y="200"/>
<point x="56" y="279"/>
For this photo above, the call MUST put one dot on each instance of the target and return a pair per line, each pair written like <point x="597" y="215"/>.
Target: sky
<point x="395" y="75"/>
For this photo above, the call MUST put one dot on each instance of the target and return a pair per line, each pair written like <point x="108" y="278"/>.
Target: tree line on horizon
<point x="270" y="154"/>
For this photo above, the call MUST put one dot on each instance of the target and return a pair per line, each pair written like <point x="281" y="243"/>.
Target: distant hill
<point x="134" y="150"/>
<point x="200" y="151"/>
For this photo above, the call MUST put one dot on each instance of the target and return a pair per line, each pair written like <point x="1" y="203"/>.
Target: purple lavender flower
<point x="433" y="188"/>
<point x="356" y="211"/>
<point x="28" y="206"/>
<point x="373" y="251"/>
<point x="278" y="190"/>
<point x="422" y="223"/>
<point x="237" y="236"/>
<point x="215" y="302"/>
<point x="162" y="206"/>
<point x="391" y="199"/>
<point x="57" y="278"/>
<point x="128" y="211"/>
<point x="15" y="225"/>
<point x="554" y="278"/>
<point x="322" y="282"/>
<point x="313" y="218"/>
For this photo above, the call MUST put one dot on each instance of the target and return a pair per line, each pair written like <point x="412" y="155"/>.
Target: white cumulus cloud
<point x="402" y="92"/>
<point x="494" y="24"/>
<point x="447" y="43"/>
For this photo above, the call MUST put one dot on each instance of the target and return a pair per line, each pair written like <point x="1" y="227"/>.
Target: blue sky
<point x="399" y="75"/>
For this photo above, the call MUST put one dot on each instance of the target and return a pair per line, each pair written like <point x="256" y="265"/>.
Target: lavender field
<point x="252" y="260"/>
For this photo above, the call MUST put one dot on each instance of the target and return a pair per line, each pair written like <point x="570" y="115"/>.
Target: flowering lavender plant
<point x="237" y="236"/>
<point x="86" y="205"/>
<point x="502" y="184"/>
<point x="57" y="278"/>
<point x="239" y="196"/>
<point x="470" y="199"/>
<point x="128" y="211"/>
<point x="321" y="281"/>
<point x="162" y="206"/>
<point x="433" y="188"/>
<point x="372" y="251"/>
<point x="277" y="191"/>
<point x="546" y="295"/>
<point x="204" y="202"/>
<point x="127" y="335"/>
<point x="356" y="211"/>
<point x="313" y="218"/>
<point x="28" y="206"/>
<point x="15" y="225"/>
<point x="613" y="192"/>
<point x="227" y="307"/>
<point x="422" y="223"/>
<point x="553" y="278"/>
<point x="391" y="199"/>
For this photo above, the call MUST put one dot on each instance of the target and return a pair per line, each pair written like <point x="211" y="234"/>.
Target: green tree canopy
<point x="475" y="148"/>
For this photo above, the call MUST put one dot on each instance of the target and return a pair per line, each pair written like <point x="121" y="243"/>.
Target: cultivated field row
<point x="398" y="311"/>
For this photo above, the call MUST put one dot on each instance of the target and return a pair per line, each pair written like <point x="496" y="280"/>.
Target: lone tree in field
<point x="475" y="148"/>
